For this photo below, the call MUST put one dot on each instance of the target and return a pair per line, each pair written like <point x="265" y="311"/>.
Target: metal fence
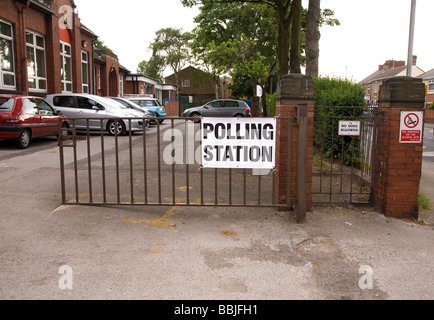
<point x="159" y="166"/>
<point x="342" y="163"/>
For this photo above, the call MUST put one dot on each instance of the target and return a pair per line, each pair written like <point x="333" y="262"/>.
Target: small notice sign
<point x="411" y="127"/>
<point x="349" y="128"/>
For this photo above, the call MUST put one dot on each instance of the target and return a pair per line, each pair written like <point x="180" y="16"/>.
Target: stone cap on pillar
<point x="295" y="87"/>
<point x="402" y="90"/>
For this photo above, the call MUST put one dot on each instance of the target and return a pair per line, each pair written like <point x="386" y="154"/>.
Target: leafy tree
<point x="153" y="68"/>
<point x="171" y="48"/>
<point x="239" y="39"/>
<point x="289" y="15"/>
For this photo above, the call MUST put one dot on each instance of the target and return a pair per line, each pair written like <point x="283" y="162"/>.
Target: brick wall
<point x="397" y="167"/>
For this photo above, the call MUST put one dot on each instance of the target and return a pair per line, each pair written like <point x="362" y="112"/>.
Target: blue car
<point x="151" y="104"/>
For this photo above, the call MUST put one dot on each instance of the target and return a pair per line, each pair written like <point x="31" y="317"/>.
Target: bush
<point x="335" y="92"/>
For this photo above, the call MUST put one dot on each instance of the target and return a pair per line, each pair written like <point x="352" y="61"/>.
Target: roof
<point x="427" y="75"/>
<point x="383" y="74"/>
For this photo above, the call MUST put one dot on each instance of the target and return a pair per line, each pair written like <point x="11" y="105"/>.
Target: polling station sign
<point x="238" y="143"/>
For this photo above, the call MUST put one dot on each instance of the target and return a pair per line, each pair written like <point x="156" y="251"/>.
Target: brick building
<point x="391" y="68"/>
<point x="428" y="80"/>
<point x="197" y="87"/>
<point x="46" y="49"/>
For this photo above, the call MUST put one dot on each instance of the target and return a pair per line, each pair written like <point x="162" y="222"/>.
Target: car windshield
<point x="6" y="104"/>
<point x="113" y="103"/>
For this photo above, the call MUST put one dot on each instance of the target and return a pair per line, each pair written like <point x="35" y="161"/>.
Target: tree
<point x="171" y="48"/>
<point x="100" y="45"/>
<point x="237" y="39"/>
<point x="286" y="12"/>
<point x="289" y="15"/>
<point x="315" y="18"/>
<point x="153" y="68"/>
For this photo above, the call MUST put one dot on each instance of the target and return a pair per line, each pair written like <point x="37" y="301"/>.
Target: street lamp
<point x="410" y="38"/>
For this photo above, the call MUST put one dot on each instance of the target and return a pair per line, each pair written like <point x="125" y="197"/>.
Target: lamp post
<point x="410" y="38"/>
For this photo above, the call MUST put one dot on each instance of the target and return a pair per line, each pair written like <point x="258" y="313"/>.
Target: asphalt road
<point x="53" y="251"/>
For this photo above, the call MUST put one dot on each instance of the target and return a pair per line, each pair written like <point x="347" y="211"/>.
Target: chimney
<point x="414" y="60"/>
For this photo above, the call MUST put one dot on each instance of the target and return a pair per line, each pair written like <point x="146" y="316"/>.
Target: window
<point x="65" y="66"/>
<point x="231" y="104"/>
<point x="84" y="72"/>
<point x="121" y="85"/>
<point x="36" y="71"/>
<point x="376" y="87"/>
<point x="63" y="101"/>
<point x="99" y="78"/>
<point x="30" y="107"/>
<point x="431" y="85"/>
<point x="217" y="104"/>
<point x="44" y="107"/>
<point x="85" y="103"/>
<point x="7" y="71"/>
<point x="185" y="83"/>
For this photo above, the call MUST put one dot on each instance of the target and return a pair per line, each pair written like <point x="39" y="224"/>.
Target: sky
<point x="371" y="31"/>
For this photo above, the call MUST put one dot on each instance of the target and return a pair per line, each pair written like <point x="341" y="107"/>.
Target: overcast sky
<point x="371" y="31"/>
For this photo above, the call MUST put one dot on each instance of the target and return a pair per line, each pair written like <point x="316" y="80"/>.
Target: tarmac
<point x="52" y="251"/>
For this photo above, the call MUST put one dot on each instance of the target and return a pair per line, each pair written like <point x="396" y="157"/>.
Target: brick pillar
<point x="397" y="166"/>
<point x="295" y="98"/>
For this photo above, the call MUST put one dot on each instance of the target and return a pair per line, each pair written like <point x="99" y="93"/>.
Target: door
<point x="32" y="117"/>
<point x="213" y="108"/>
<point x="49" y="118"/>
<point x="91" y="109"/>
<point x="230" y="109"/>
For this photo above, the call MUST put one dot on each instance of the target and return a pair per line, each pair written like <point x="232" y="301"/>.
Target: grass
<point x="424" y="202"/>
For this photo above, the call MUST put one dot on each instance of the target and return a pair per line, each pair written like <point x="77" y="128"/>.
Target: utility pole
<point x="410" y="38"/>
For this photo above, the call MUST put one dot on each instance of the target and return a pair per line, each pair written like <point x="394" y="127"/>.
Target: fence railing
<point x="159" y="166"/>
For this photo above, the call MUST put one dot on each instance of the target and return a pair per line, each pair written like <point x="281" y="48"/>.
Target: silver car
<point x="86" y="106"/>
<point x="220" y="108"/>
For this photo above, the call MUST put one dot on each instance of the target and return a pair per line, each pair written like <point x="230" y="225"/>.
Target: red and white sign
<point x="411" y="127"/>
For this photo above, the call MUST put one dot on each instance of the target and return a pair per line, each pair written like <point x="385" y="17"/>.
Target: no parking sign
<point x="411" y="127"/>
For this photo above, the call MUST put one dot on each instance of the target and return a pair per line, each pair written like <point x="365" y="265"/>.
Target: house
<point x="391" y="68"/>
<point x="428" y="79"/>
<point x="45" y="48"/>
<point x="197" y="87"/>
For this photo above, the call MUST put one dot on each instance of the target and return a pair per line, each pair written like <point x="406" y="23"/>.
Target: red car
<point x="25" y="117"/>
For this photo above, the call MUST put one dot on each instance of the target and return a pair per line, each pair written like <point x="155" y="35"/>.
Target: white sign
<point x="349" y="128"/>
<point x="238" y="142"/>
<point x="411" y="126"/>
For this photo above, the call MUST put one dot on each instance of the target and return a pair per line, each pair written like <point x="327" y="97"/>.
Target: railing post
<point x="295" y="98"/>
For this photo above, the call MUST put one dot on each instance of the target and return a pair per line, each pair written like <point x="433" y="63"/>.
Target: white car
<point x="86" y="106"/>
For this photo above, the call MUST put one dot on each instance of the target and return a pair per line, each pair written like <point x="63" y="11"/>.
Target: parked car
<point x="145" y="111"/>
<point x="152" y="104"/>
<point x="25" y="117"/>
<point x="220" y="108"/>
<point x="86" y="106"/>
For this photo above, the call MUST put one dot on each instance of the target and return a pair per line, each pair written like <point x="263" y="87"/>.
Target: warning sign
<point x="411" y="127"/>
<point x="349" y="128"/>
<point x="238" y="142"/>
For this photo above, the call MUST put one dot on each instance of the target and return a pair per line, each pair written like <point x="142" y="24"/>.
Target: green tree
<point x="171" y="48"/>
<point x="237" y="39"/>
<point x="153" y="68"/>
<point x="289" y="15"/>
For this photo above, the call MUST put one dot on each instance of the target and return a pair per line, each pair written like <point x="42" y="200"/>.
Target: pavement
<point x="67" y="252"/>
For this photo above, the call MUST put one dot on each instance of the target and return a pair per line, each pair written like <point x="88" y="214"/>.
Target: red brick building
<point x="46" y="49"/>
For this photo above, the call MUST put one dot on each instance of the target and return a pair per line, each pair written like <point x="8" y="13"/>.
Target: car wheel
<point x="195" y="115"/>
<point x="238" y="115"/>
<point x="23" y="140"/>
<point x="161" y="121"/>
<point x="119" y="125"/>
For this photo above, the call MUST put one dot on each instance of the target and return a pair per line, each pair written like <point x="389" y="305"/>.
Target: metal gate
<point x="342" y="164"/>
<point x="161" y="166"/>
<point x="158" y="166"/>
